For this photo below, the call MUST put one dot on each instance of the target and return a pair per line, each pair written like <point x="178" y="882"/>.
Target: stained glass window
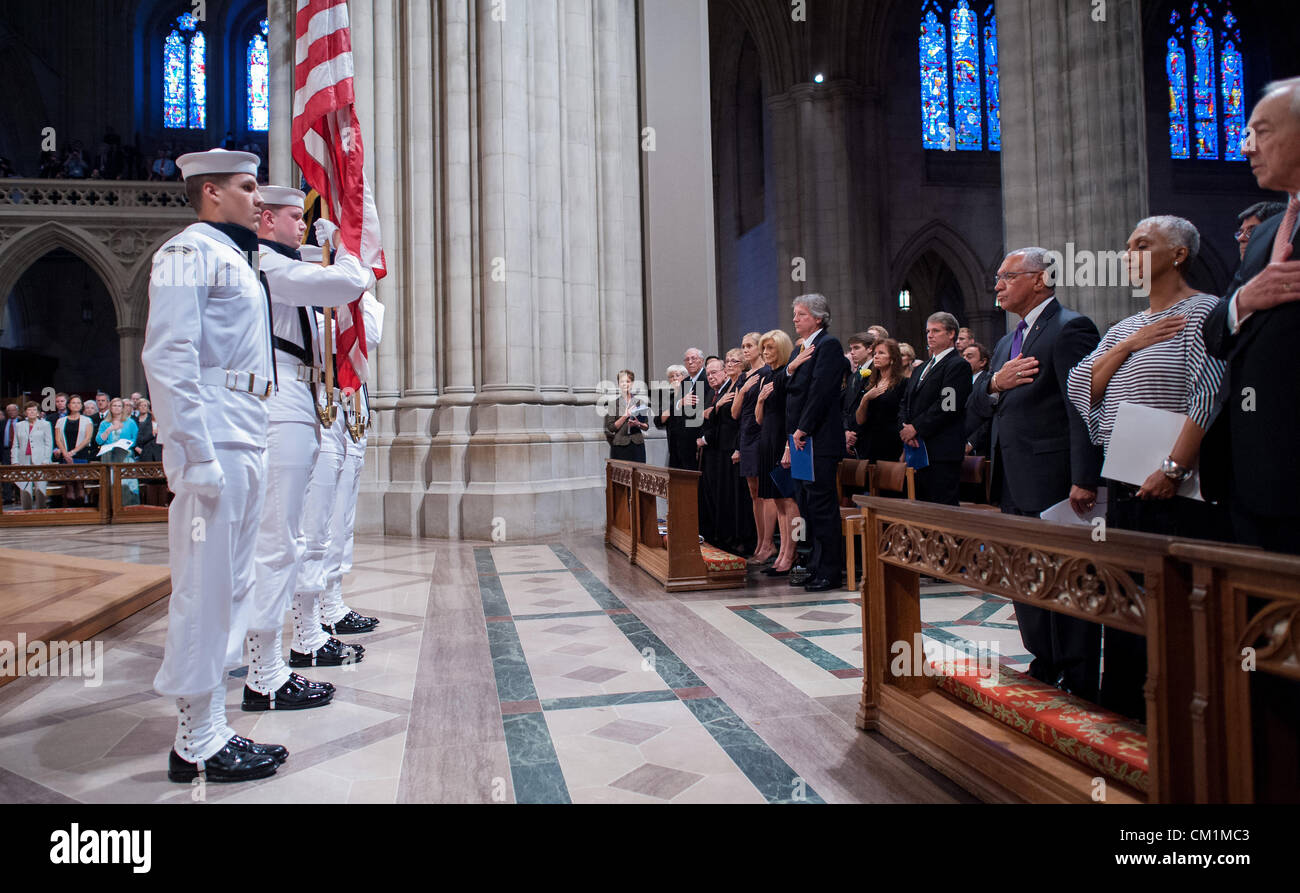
<point x="991" y="81"/>
<point x="1204" y="93"/>
<point x="185" y="75"/>
<point x="934" y="81"/>
<point x="1207" y="94"/>
<point x="960" y="104"/>
<point x="259" y="81"/>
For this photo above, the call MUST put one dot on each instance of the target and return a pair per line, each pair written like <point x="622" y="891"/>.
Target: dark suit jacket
<point x="1248" y="457"/>
<point x="936" y="407"/>
<point x="812" y="402"/>
<point x="979" y="419"/>
<point x="1039" y="441"/>
<point x="695" y="416"/>
<point x="850" y="397"/>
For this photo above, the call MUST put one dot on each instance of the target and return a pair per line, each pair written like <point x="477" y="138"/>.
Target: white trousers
<point x="338" y="558"/>
<point x="291" y="450"/>
<point x="211" y="544"/>
<point x="318" y="513"/>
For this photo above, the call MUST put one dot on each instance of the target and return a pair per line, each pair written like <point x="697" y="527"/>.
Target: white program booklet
<point x="1143" y="438"/>
<point x="1064" y="513"/>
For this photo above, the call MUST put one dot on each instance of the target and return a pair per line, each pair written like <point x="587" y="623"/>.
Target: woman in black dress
<point x="733" y="517"/>
<point x="878" y="409"/>
<point x="73" y="435"/>
<point x="750" y="432"/>
<point x="772" y="445"/>
<point x="147" y="448"/>
<point x="681" y="440"/>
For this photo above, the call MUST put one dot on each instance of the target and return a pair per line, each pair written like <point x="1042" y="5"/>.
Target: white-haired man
<point x="293" y="442"/>
<point x="208" y="359"/>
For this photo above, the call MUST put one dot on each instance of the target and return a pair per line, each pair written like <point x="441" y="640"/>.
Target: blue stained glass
<point x="1176" y="65"/>
<point x="198" y="82"/>
<point x="187" y="22"/>
<point x="1234" y="109"/>
<point x="174" y="82"/>
<point x="934" y="82"/>
<point x="968" y="110"/>
<point x="1207" y="123"/>
<point x="259" y="80"/>
<point x="991" y="81"/>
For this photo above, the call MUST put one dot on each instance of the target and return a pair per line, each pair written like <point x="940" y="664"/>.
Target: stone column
<point x="130" y="344"/>
<point x="679" y="233"/>
<point x="1074" y="165"/>
<point x="280" y="51"/>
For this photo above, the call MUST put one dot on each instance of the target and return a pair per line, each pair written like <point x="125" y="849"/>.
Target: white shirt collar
<point x="1033" y="315"/>
<point x="937" y="359"/>
<point x="808" y="342"/>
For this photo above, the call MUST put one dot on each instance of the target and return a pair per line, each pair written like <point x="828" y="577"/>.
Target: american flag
<point x="327" y="145"/>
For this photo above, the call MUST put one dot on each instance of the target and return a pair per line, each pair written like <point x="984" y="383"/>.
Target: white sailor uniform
<point x="293" y="442"/>
<point x="338" y="557"/>
<point x="318" y="517"/>
<point x="207" y="357"/>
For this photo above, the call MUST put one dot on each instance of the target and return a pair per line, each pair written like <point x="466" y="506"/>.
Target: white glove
<point x="325" y="232"/>
<point x="204" y="478"/>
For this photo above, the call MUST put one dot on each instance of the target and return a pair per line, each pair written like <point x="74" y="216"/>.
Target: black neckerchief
<point x="242" y="236"/>
<point x="279" y="248"/>
<point x="245" y="240"/>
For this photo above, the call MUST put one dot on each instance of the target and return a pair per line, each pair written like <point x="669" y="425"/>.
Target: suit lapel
<point x="1049" y="313"/>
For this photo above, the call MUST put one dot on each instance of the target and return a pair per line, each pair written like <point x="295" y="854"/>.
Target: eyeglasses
<point x="734" y="362"/>
<point x="1007" y="277"/>
<point x="1244" y="234"/>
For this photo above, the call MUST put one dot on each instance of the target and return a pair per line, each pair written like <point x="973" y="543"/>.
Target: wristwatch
<point x="1175" y="472"/>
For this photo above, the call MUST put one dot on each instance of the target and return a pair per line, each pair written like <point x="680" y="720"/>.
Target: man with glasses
<point x="1253" y="217"/>
<point x="1040" y="448"/>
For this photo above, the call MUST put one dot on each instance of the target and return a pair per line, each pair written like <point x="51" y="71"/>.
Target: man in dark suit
<point x="1247" y="459"/>
<point x="696" y="393"/>
<point x="814" y="418"/>
<point x="860" y="346"/>
<point x="1040" y="447"/>
<point x="933" y="412"/>
<point x="978" y="425"/>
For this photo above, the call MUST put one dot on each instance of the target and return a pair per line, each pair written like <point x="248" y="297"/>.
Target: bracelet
<point x="1175" y="472"/>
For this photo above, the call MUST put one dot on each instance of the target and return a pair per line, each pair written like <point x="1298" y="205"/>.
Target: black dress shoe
<point x="351" y="624"/>
<point x="290" y="696"/>
<point x="307" y="683"/>
<point x="799" y="576"/>
<point x="226" y="766"/>
<point x="773" y="572"/>
<point x="333" y="654"/>
<point x="821" y="584"/>
<point x="277" y="752"/>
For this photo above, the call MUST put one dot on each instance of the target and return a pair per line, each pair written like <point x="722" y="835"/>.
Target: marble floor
<point x="547" y="672"/>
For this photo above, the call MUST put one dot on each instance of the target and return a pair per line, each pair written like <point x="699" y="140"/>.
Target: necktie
<point x="1018" y="341"/>
<point x="1286" y="232"/>
<point x="926" y="370"/>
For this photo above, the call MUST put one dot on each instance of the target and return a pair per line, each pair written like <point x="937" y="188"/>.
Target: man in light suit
<point x="933" y="412"/>
<point x="33" y="445"/>
<point x="1040" y="447"/>
<point x="813" y="413"/>
<point x="1247" y="458"/>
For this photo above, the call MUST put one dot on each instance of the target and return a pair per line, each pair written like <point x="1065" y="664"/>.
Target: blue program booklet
<point x="784" y="483"/>
<point x="916" y="457"/>
<point x="801" y="461"/>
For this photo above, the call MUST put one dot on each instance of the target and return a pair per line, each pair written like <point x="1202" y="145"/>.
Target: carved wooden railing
<point x="102" y="482"/>
<point x="632" y="494"/>
<point x="1199" y="605"/>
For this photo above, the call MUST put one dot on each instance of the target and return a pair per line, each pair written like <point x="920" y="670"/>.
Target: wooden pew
<point x="632" y="494"/>
<point x="90" y="474"/>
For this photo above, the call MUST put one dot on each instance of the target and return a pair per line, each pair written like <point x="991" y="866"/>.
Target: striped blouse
<point x="1175" y="375"/>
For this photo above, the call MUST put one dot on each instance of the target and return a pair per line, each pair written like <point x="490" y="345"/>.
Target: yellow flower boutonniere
<point x="865" y="372"/>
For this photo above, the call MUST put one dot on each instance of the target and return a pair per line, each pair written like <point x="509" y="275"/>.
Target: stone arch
<point x="941" y="239"/>
<point x="25" y="249"/>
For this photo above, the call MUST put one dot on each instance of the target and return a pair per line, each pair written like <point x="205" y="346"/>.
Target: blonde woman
<point x="757" y="373"/>
<point x="769" y="412"/>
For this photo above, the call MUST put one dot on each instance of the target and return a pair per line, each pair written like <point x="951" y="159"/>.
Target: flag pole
<point x="330" y="412"/>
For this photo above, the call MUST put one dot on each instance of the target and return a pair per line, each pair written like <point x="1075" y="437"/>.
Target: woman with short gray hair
<point x="1155" y="358"/>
